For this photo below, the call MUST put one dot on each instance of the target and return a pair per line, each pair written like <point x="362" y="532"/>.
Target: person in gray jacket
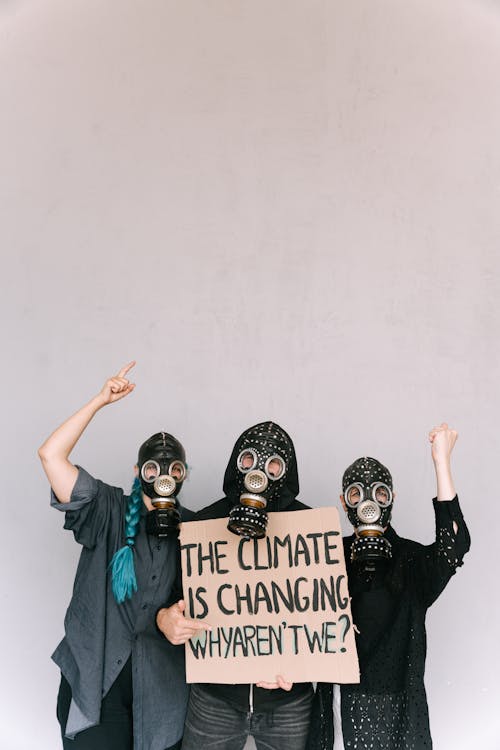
<point x="122" y="683"/>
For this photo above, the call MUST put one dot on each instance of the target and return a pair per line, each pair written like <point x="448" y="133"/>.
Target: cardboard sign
<point x="277" y="605"/>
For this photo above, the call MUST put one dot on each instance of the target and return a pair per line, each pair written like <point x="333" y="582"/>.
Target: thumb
<point x="181" y="605"/>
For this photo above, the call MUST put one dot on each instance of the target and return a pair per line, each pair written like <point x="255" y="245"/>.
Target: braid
<point x="133" y="514"/>
<point x="123" y="580"/>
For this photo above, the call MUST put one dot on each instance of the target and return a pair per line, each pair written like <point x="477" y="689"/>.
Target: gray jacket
<point x="101" y="635"/>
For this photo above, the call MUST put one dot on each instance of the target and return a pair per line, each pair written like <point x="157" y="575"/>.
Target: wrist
<point x="442" y="463"/>
<point x="98" y="402"/>
<point x="158" y="619"/>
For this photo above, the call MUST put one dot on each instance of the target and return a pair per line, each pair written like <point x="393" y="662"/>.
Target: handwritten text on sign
<point x="277" y="605"/>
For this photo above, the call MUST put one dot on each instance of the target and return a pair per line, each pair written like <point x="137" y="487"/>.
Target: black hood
<point x="280" y="442"/>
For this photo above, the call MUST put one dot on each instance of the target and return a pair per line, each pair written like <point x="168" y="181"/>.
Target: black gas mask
<point x="263" y="456"/>
<point x="367" y="488"/>
<point x="162" y="470"/>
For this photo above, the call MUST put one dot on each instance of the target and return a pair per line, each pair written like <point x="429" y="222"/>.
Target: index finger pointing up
<point x="126" y="368"/>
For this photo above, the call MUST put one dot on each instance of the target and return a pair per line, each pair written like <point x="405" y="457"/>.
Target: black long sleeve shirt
<point x="387" y="710"/>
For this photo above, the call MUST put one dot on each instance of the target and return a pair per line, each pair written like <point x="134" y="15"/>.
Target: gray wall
<point x="282" y="209"/>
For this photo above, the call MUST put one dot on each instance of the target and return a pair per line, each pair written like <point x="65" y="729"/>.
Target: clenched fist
<point x="442" y="440"/>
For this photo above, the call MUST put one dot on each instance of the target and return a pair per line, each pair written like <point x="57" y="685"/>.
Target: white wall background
<point x="282" y="209"/>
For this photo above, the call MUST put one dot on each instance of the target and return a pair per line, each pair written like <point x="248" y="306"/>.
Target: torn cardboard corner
<point x="278" y="605"/>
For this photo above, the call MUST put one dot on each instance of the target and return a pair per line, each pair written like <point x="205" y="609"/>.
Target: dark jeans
<point x="115" y="730"/>
<point x="213" y="723"/>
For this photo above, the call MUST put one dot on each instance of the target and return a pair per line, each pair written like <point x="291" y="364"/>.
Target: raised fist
<point x="442" y="439"/>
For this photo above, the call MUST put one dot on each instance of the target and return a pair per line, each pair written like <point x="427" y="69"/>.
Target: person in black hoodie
<point x="261" y="476"/>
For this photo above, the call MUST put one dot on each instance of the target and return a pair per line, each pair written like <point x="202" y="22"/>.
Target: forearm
<point x="443" y="439"/>
<point x="444" y="480"/>
<point x="56" y="449"/>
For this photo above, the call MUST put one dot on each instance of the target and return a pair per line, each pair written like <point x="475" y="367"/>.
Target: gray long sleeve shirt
<point x="100" y="635"/>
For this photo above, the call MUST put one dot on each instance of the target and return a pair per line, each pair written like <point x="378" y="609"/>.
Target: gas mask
<point x="162" y="470"/>
<point x="263" y="457"/>
<point x="367" y="488"/>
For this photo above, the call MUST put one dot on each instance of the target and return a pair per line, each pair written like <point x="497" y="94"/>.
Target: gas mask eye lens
<point x="382" y="494"/>
<point x="150" y="471"/>
<point x="275" y="467"/>
<point x="247" y="460"/>
<point x="177" y="470"/>
<point x="353" y="495"/>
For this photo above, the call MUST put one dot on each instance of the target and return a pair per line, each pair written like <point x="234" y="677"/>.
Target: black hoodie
<point x="242" y="696"/>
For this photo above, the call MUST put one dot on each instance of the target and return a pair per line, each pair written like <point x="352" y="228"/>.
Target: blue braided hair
<point x="123" y="580"/>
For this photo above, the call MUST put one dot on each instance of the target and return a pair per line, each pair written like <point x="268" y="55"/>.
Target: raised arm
<point x="55" y="451"/>
<point x="435" y="564"/>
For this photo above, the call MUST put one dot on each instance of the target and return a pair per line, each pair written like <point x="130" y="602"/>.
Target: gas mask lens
<point x="382" y="494"/>
<point x="275" y="468"/>
<point x="177" y="470"/>
<point x="354" y="494"/>
<point x="247" y="460"/>
<point x="150" y="471"/>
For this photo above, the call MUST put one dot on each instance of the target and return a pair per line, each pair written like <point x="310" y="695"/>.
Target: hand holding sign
<point x="175" y="626"/>
<point x="280" y="683"/>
